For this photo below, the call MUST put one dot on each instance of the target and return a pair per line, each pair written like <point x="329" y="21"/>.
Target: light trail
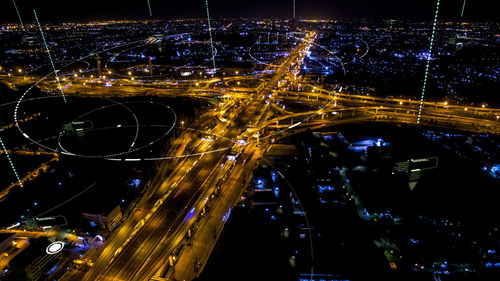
<point x="171" y="127"/>
<point x="330" y="52"/>
<point x="428" y="62"/>
<point x="10" y="162"/>
<point x="293" y="9"/>
<point x="294" y="125"/>
<point x="14" y="225"/>
<point x="50" y="57"/>
<point x="147" y="44"/>
<point x="104" y="157"/>
<point x="65" y="202"/>
<point x="65" y="151"/>
<point x="149" y="7"/>
<point x="463" y="9"/>
<point x="18" y="14"/>
<point x="210" y="33"/>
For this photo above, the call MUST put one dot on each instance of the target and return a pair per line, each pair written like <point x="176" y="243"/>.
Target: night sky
<point x="57" y="10"/>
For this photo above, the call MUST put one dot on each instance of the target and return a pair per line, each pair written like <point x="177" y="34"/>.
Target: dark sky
<point x="55" y="10"/>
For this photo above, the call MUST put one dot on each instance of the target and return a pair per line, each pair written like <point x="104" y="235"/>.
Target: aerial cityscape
<point x="263" y="140"/>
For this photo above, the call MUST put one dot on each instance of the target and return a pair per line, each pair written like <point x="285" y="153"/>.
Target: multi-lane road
<point x="146" y="240"/>
<point x="185" y="196"/>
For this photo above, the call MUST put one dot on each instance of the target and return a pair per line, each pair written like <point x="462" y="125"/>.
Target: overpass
<point x="149" y="238"/>
<point x="190" y="197"/>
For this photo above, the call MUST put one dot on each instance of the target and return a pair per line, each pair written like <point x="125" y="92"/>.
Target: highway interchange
<point x="173" y="228"/>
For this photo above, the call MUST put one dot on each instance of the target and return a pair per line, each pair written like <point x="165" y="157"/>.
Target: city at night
<point x="280" y="140"/>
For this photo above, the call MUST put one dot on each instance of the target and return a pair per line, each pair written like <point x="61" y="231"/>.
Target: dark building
<point x="34" y="263"/>
<point x="105" y="218"/>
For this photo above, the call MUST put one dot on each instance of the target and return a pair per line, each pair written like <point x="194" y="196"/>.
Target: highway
<point x="190" y="197"/>
<point x="139" y="248"/>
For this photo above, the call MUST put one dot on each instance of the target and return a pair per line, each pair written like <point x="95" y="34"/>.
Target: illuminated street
<point x="345" y="144"/>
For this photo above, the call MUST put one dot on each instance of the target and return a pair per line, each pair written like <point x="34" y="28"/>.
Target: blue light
<point x="495" y="171"/>
<point x="323" y="188"/>
<point x="424" y="56"/>
<point x="52" y="269"/>
<point x="135" y="182"/>
<point x="190" y="214"/>
<point x="274" y="176"/>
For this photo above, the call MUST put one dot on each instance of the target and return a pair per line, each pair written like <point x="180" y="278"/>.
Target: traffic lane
<point x="168" y="245"/>
<point x="117" y="241"/>
<point x="230" y="192"/>
<point x="197" y="175"/>
<point x="253" y="111"/>
<point x="127" y="228"/>
<point x="154" y="229"/>
<point x="179" y="224"/>
<point x="230" y="133"/>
